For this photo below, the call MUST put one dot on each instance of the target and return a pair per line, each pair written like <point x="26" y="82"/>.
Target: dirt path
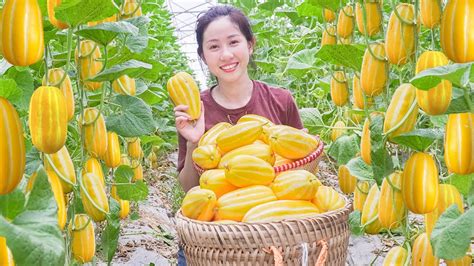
<point x="152" y="238"/>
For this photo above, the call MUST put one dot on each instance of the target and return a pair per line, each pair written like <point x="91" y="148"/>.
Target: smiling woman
<point x="226" y="44"/>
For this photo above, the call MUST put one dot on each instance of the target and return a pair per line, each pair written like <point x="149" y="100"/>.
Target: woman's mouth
<point x="229" y="68"/>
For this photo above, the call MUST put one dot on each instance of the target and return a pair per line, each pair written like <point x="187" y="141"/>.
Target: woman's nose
<point x="226" y="54"/>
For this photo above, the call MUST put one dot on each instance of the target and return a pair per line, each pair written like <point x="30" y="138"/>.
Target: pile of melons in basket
<point x="239" y="183"/>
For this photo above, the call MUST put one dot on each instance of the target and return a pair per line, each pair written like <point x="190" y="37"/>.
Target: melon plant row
<point x="388" y="84"/>
<point x="71" y="130"/>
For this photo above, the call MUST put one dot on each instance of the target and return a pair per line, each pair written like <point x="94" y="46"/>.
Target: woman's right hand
<point x="189" y="129"/>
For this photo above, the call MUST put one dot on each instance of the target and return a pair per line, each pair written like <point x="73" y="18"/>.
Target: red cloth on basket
<point x="276" y="104"/>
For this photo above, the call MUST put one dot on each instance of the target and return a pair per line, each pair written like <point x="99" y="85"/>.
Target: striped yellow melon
<point x="365" y="144"/>
<point x="239" y="135"/>
<point x="279" y="210"/>
<point x="360" y="194"/>
<point x="92" y="165"/>
<point x="459" y="143"/>
<point x="137" y="172"/>
<point x="329" y="36"/>
<point x="457" y="37"/>
<point x="124" y="85"/>
<point x="396" y="256"/>
<point x="134" y="149"/>
<point x="374" y="71"/>
<point x="262" y="151"/>
<point x="391" y="206"/>
<point x="292" y="143"/>
<point x="370" y="212"/>
<point x="215" y="180"/>
<point x="345" y="22"/>
<point x="112" y="18"/>
<point x="329" y="15"/>
<point x="61" y="163"/>
<point x="347" y="182"/>
<point x="338" y="130"/>
<point x="124" y="160"/>
<point x="93" y="197"/>
<point x="52" y="4"/>
<point x="448" y="195"/>
<point x="183" y="90"/>
<point x="403" y="104"/>
<point x="420" y="183"/>
<point x="82" y="238"/>
<point x="95" y="132"/>
<point x="124" y="204"/>
<point x="207" y="156"/>
<point x="422" y="252"/>
<point x="358" y="95"/>
<point x="400" y="35"/>
<point x="266" y="124"/>
<point x="60" y="79"/>
<point x="48" y="119"/>
<point x="112" y="155"/>
<point x="436" y="100"/>
<point x="464" y="261"/>
<point x="12" y="148"/>
<point x="295" y="185"/>
<point x="281" y="160"/>
<point x="211" y="135"/>
<point x="57" y="189"/>
<point x="347" y="40"/>
<point x="21" y="38"/>
<point x="88" y="58"/>
<point x="130" y="9"/>
<point x="247" y="170"/>
<point x="339" y="88"/>
<point x="328" y="199"/>
<point x="199" y="204"/>
<point x="6" y="257"/>
<point x="235" y="204"/>
<point x="430" y="13"/>
<point x="372" y="19"/>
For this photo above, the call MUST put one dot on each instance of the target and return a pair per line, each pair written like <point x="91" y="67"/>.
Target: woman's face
<point x="226" y="51"/>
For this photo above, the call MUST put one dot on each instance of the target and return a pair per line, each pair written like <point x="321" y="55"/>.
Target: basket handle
<point x="278" y="258"/>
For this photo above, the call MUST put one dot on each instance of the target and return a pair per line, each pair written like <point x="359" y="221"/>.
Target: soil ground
<point x="152" y="238"/>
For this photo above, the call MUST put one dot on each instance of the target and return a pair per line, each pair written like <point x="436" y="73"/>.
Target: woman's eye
<point x="213" y="47"/>
<point x="234" y="42"/>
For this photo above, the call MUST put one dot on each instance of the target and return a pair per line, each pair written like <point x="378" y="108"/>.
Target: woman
<point x="225" y="44"/>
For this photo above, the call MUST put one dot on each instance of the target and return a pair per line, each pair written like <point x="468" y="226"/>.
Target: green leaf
<point x="152" y="140"/>
<point x="9" y="90"/>
<point x="358" y="168"/>
<point x="4" y="66"/>
<point x="458" y="74"/>
<point x="306" y="9"/>
<point x="302" y="61"/>
<point x="129" y="191"/>
<point x="459" y="105"/>
<point x="139" y="42"/>
<point x="132" y="68"/>
<point x="33" y="161"/>
<point x="346" y="55"/>
<point x="462" y="182"/>
<point x="111" y="233"/>
<point x="75" y="12"/>
<point x="330" y="4"/>
<point x="271" y="5"/>
<point x="378" y="150"/>
<point x="12" y="204"/>
<point x="312" y="120"/>
<point x="133" y="119"/>
<point x="344" y="148"/>
<point x="34" y="236"/>
<point x="452" y="233"/>
<point x="24" y="80"/>
<point x="354" y="223"/>
<point x="105" y="33"/>
<point x="419" y="139"/>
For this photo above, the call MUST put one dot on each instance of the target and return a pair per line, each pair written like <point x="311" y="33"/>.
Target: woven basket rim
<point x="347" y="208"/>
<point x="285" y="167"/>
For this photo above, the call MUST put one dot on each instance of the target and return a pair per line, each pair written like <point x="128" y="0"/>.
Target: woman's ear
<point x="251" y="45"/>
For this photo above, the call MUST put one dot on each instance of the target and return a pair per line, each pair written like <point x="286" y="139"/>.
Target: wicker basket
<point x="291" y="242"/>
<point x="309" y="163"/>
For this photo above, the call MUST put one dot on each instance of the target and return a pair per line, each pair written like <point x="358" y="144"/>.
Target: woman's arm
<point x="188" y="176"/>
